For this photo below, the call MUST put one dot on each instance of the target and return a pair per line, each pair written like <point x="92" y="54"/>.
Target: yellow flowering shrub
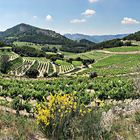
<point x="57" y="112"/>
<point x="56" y="107"/>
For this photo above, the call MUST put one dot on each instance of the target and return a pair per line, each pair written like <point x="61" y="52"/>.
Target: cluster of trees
<point x="135" y="36"/>
<point x="28" y="51"/>
<point x="43" y="39"/>
<point x="48" y="49"/>
<point x="85" y="62"/>
<point x="84" y="45"/>
<point x="112" y="44"/>
<point x="78" y="46"/>
<point x="54" y="57"/>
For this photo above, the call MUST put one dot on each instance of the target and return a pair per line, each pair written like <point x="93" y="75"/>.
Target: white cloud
<point x="34" y="17"/>
<point x="78" y="21"/>
<point x="127" y="20"/>
<point x="92" y="1"/>
<point x="89" y="12"/>
<point x="49" y="18"/>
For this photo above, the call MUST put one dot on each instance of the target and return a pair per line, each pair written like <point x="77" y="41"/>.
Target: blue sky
<point x="92" y="17"/>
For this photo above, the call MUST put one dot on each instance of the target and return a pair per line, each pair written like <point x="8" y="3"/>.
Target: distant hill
<point x="95" y="38"/>
<point x="28" y="33"/>
<point x="85" y="41"/>
<point x="135" y="36"/>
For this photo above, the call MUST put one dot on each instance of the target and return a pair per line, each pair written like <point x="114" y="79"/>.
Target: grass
<point x="43" y="59"/>
<point x="124" y="49"/>
<point x="17" y="127"/>
<point x="61" y="62"/>
<point x="77" y="63"/>
<point x="126" y="127"/>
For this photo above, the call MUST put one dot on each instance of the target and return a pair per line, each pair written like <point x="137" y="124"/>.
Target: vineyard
<point x="86" y="89"/>
<point x="42" y="66"/>
<point x="66" y="69"/>
<point x="67" y="87"/>
<point x="21" y="70"/>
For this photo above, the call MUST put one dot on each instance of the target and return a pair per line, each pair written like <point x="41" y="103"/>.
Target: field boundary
<point x="109" y="52"/>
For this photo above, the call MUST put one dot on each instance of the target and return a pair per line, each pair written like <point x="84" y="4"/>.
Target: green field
<point x="61" y="62"/>
<point x="36" y="46"/>
<point x="42" y="59"/>
<point x="124" y="49"/>
<point x="77" y="63"/>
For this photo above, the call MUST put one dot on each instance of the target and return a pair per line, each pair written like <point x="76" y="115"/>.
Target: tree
<point x="87" y="62"/>
<point x="45" y="74"/>
<point x="55" y="74"/>
<point x="70" y="60"/>
<point x="4" y="64"/>
<point x="1" y="44"/>
<point x="93" y="75"/>
<point x="32" y="73"/>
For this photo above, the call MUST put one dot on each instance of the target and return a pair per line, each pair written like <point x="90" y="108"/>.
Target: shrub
<point x="32" y="73"/>
<point x="2" y="44"/>
<point x="69" y="60"/>
<point x="93" y="75"/>
<point x="137" y="117"/>
<point x="45" y="74"/>
<point x="55" y="74"/>
<point x="79" y="59"/>
<point x="17" y="105"/>
<point x="28" y="51"/>
<point x="56" y="116"/>
<point x="28" y="107"/>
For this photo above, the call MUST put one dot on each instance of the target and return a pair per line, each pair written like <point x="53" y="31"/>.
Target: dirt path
<point x="108" y="52"/>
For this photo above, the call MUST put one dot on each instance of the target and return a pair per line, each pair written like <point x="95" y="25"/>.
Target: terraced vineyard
<point x="21" y="70"/>
<point x="66" y="69"/>
<point x="43" y="68"/>
<point x="14" y="56"/>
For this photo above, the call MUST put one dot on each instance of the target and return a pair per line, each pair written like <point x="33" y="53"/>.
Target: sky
<point x="92" y="17"/>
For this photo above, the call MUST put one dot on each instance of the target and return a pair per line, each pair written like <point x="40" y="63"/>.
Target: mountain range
<point x="27" y="33"/>
<point x="94" y="38"/>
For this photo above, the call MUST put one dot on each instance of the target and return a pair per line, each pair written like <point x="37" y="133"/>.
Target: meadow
<point x="124" y="49"/>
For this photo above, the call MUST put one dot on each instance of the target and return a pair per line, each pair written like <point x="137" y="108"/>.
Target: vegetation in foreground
<point x="17" y="127"/>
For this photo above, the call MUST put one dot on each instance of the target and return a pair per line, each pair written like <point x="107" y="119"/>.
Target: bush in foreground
<point x="63" y="117"/>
